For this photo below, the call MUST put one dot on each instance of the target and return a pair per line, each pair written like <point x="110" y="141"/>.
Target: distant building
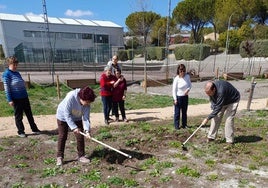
<point x="61" y="40"/>
<point x="211" y="36"/>
<point x="182" y="37"/>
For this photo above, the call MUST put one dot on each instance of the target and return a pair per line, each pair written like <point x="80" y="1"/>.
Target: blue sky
<point x="112" y="10"/>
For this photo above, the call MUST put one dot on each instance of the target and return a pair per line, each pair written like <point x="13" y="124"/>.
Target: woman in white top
<point x="180" y="89"/>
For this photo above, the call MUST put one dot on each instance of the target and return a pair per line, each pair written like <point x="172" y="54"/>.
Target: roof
<point x="54" y="20"/>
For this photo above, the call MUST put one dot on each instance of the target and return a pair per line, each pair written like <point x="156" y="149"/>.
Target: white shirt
<point x="181" y="85"/>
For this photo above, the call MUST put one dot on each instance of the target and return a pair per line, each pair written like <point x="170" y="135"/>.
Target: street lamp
<point x="227" y="41"/>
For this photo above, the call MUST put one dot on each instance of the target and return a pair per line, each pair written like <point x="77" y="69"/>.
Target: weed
<point x="20" y="157"/>
<point x="149" y="162"/>
<point x="252" y="167"/>
<point x="130" y="183"/>
<point x="52" y="185"/>
<point x="47" y="172"/>
<point x="93" y="175"/>
<point x="116" y="180"/>
<point x="165" y="179"/>
<point x="175" y="144"/>
<point x="132" y="142"/>
<point x="73" y="170"/>
<point x="212" y="177"/>
<point x="155" y="173"/>
<point x="164" y="164"/>
<point x="210" y="163"/>
<point x="185" y="170"/>
<point x="20" y="165"/>
<point x="102" y="185"/>
<point x="49" y="161"/>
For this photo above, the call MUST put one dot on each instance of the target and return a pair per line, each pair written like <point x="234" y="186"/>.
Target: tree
<point x="159" y="31"/>
<point x="141" y="23"/>
<point x="193" y="14"/>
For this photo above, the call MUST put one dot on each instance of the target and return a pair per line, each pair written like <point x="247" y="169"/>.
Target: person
<point x="73" y="113"/>
<point x="224" y="98"/>
<point x="114" y="64"/>
<point x="107" y="81"/>
<point x="17" y="97"/>
<point x="119" y="96"/>
<point x="180" y="90"/>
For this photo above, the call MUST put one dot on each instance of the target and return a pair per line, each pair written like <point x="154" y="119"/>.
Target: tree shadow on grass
<point x="248" y="139"/>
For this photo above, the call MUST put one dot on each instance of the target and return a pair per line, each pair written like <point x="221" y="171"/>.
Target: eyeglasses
<point x="182" y="70"/>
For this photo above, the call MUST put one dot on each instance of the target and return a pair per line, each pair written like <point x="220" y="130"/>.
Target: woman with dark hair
<point x="74" y="113"/>
<point x="180" y="89"/>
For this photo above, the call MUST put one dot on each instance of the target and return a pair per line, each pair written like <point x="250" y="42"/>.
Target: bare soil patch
<point x="158" y="159"/>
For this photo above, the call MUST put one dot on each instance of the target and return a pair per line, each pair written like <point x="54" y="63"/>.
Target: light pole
<point x="227" y="41"/>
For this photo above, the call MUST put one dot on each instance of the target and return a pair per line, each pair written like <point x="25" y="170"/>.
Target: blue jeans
<point x="181" y="107"/>
<point x="107" y="106"/>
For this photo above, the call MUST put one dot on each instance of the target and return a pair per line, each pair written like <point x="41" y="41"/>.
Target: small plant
<point x="93" y="175"/>
<point x="212" y="177"/>
<point x="155" y="173"/>
<point x="210" y="163"/>
<point x="20" y="157"/>
<point x="49" y="161"/>
<point x="47" y="172"/>
<point x="116" y="180"/>
<point x="132" y="142"/>
<point x="165" y="179"/>
<point x="20" y="165"/>
<point x="185" y="170"/>
<point x="252" y="167"/>
<point x="73" y="170"/>
<point x="175" y="144"/>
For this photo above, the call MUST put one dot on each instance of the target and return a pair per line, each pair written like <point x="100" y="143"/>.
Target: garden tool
<point x="99" y="142"/>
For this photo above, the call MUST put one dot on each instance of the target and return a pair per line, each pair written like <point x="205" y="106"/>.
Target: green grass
<point x="44" y="100"/>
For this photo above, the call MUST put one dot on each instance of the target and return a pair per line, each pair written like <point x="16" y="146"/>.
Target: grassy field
<point x="44" y="100"/>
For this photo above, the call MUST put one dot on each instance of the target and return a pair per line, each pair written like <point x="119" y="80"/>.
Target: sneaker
<point x="59" y="161"/>
<point x="106" y="122"/>
<point x="22" y="135"/>
<point x="37" y="131"/>
<point x="117" y="119"/>
<point x="83" y="159"/>
<point x="125" y="120"/>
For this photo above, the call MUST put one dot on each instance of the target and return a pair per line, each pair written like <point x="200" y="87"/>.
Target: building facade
<point x="60" y="40"/>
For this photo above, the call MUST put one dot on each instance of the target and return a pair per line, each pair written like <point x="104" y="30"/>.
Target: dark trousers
<point x="181" y="107"/>
<point x="63" y="129"/>
<point x="20" y="106"/>
<point x="106" y="105"/>
<point x="121" y="105"/>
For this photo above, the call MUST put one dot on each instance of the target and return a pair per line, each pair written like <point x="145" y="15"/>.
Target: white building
<point x="61" y="40"/>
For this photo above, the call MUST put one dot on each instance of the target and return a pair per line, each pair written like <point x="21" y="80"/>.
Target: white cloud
<point x="78" y="13"/>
